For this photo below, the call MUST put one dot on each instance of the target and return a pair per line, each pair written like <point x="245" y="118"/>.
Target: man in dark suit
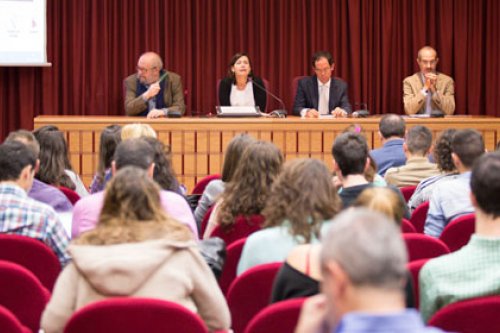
<point x="146" y="95"/>
<point x="321" y="94"/>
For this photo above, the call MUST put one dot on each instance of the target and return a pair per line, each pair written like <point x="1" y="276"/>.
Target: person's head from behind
<point x="248" y="190"/>
<point x="442" y="151"/>
<point x="43" y="129"/>
<point x="382" y="200"/>
<point x="371" y="171"/>
<point x="233" y="154"/>
<point x="54" y="159"/>
<point x="323" y="65"/>
<point x="392" y="126"/>
<point x="363" y="256"/>
<point x="485" y="184"/>
<point x="303" y="195"/>
<point x="350" y="154"/>
<point x="149" y="67"/>
<point x="25" y="137"/>
<point x="418" y="141"/>
<point x="163" y="172"/>
<point x="109" y="140"/>
<point x="17" y="164"/>
<point x="134" y="131"/>
<point x="240" y="66"/>
<point x="132" y="212"/>
<point x="134" y="152"/>
<point x="467" y="146"/>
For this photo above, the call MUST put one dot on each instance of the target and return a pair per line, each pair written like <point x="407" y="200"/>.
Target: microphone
<point x="279" y="113"/>
<point x="363" y="112"/>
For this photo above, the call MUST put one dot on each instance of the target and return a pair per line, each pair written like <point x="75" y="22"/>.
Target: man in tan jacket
<point x="428" y="91"/>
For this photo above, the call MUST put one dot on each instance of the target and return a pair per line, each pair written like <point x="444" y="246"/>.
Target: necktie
<point x="323" y="100"/>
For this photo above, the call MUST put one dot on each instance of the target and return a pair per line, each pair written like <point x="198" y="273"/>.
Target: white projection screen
<point x="23" y="33"/>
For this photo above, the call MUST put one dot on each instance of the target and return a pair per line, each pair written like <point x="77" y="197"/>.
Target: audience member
<point x="20" y="214"/>
<point x="215" y="188"/>
<point x="153" y="91"/>
<point x="110" y="138"/>
<point x="428" y="91"/>
<point x="55" y="167"/>
<point x="391" y="131"/>
<point x="474" y="270"/>
<point x="417" y="147"/>
<point x="442" y="155"/>
<point x="383" y="200"/>
<point x="40" y="191"/>
<point x="240" y="87"/>
<point x="248" y="190"/>
<point x="132" y="131"/>
<point x="136" y="250"/>
<point x="451" y="198"/>
<point x="363" y="264"/>
<point x="301" y="202"/>
<point x="321" y="94"/>
<point x="138" y="153"/>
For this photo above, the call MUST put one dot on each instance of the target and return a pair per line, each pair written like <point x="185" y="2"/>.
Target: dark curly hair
<point x="442" y="151"/>
<point x="163" y="174"/>
<point x="247" y="192"/>
<point x="303" y="195"/>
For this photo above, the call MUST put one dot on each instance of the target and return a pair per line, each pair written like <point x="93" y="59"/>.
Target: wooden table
<point x="198" y="144"/>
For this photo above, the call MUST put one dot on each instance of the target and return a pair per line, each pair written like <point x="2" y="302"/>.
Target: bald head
<point x="427" y="59"/>
<point x="149" y="67"/>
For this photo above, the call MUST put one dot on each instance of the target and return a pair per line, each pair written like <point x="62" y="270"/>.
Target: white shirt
<point x="320" y="86"/>
<point x="242" y="97"/>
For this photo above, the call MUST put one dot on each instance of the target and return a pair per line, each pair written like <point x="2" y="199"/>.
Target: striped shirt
<point x="24" y="216"/>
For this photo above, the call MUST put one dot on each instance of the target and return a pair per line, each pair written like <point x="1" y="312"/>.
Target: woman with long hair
<point x="247" y="192"/>
<point x="110" y="138"/>
<point x="301" y="201"/>
<point x="136" y="250"/>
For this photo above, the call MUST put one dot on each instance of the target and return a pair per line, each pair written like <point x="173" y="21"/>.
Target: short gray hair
<point x="369" y="248"/>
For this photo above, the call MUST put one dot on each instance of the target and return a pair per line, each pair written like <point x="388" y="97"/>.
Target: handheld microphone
<point x="280" y="113"/>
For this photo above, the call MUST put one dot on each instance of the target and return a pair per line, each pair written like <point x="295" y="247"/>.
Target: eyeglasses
<point x="143" y="69"/>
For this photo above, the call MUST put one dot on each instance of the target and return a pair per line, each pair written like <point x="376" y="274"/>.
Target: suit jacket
<point x="443" y="100"/>
<point x="173" y="95"/>
<point x="307" y="96"/>
<point x="259" y="95"/>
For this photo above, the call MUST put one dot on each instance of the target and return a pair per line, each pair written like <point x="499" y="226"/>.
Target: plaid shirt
<point x="24" y="216"/>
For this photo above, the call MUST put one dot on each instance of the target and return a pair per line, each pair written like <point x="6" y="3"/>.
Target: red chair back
<point x="295" y="85"/>
<point x="423" y="247"/>
<point x="202" y="183"/>
<point x="204" y="222"/>
<point x="242" y="227"/>
<point x="477" y="315"/>
<point x="414" y="268"/>
<point x="458" y="232"/>
<point x="72" y="196"/>
<point x="127" y="315"/>
<point x="242" y="298"/>
<point x="233" y="254"/>
<point x="279" y="317"/>
<point x="22" y="294"/>
<point x="407" y="227"/>
<point x="419" y="215"/>
<point x="33" y="255"/>
<point x="407" y="192"/>
<point x="9" y="323"/>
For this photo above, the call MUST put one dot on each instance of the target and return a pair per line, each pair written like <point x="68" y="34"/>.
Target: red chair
<point x="241" y="228"/>
<point x="233" y="254"/>
<point x="476" y="315"/>
<point x="459" y="231"/>
<point x="280" y="317"/>
<point x="204" y="222"/>
<point x="423" y="247"/>
<point x="414" y="268"/>
<point x="250" y="293"/>
<point x="295" y="85"/>
<point x="418" y="217"/>
<point x="407" y="227"/>
<point x="202" y="183"/>
<point x="33" y="255"/>
<point x="127" y="315"/>
<point x="407" y="192"/>
<point x="22" y="294"/>
<point x="9" y="323"/>
<point x="72" y="196"/>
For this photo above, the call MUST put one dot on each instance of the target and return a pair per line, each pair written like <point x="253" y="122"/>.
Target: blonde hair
<point x="132" y="212"/>
<point x="383" y="200"/>
<point x="137" y="131"/>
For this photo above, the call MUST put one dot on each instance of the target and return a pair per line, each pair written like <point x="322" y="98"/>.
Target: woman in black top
<point x="241" y="87"/>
